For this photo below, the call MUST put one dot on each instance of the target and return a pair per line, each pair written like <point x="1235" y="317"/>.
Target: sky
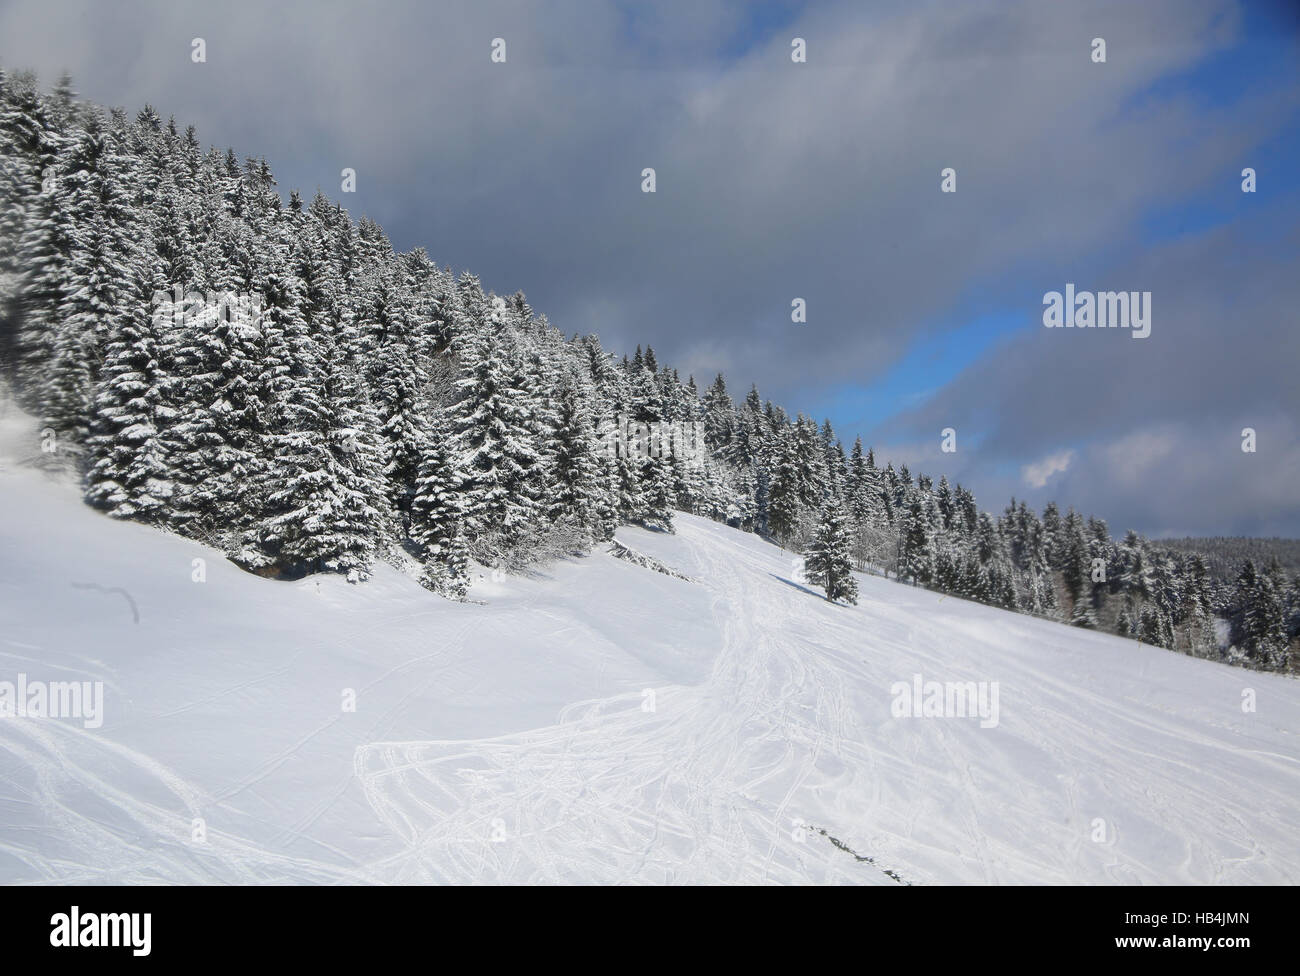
<point x="819" y="180"/>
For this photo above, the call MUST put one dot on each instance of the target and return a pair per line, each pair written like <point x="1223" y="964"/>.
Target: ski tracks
<point x="708" y="786"/>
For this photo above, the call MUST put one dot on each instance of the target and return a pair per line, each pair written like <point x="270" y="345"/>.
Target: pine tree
<point x="1052" y="538"/>
<point x="396" y="375"/>
<point x="82" y="271"/>
<point x="1152" y="628"/>
<point x="323" y="497"/>
<point x="719" y="417"/>
<point x="1259" y="623"/>
<point x="1124" y="623"/>
<point x="28" y="146"/>
<point x="657" y="493"/>
<point x="828" y="563"/>
<point x="220" y="419"/>
<point x="1042" y="595"/>
<point x="130" y="469"/>
<point x="946" y="504"/>
<point x="447" y="572"/>
<point x="352" y="437"/>
<point x="626" y="489"/>
<point x="491" y="426"/>
<point x="915" y="555"/>
<point x="1135" y="569"/>
<point x="784" y="508"/>
<point x="35" y="234"/>
<point x="437" y="507"/>
<point x="1074" y="558"/>
<point x="577" y="490"/>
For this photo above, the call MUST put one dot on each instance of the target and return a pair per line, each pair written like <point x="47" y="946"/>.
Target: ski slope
<point x="599" y="723"/>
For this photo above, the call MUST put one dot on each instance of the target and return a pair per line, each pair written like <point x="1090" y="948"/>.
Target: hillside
<point x="274" y="379"/>
<point x="510" y="740"/>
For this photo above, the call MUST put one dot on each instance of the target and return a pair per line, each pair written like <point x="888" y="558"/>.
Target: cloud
<point x="1037" y="474"/>
<point x="1155" y="423"/>
<point x="775" y="180"/>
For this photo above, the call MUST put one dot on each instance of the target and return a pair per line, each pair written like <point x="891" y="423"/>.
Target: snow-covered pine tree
<point x="626" y="487"/>
<point x="828" y="562"/>
<point x="1124" y="622"/>
<point x="130" y="469"/>
<point x="858" y="500"/>
<point x="784" y="506"/>
<point x="1075" y="567"/>
<point x="323" y="497"/>
<point x="537" y="375"/>
<point x="576" y="493"/>
<point x="1152" y="628"/>
<point x="437" y="507"/>
<point x="657" y="493"/>
<point x="607" y="493"/>
<point x="1135" y="570"/>
<point x="29" y="146"/>
<point x="1042" y="595"/>
<point x="491" y="427"/>
<point x="1260" y="624"/>
<point x="946" y="504"/>
<point x="749" y="435"/>
<point x="81" y="270"/>
<point x="217" y="436"/>
<point x="362" y="518"/>
<point x="719" y="417"/>
<point x="396" y="375"/>
<point x="949" y="569"/>
<point x="447" y="572"/>
<point x="915" y="552"/>
<point x="1052" y="542"/>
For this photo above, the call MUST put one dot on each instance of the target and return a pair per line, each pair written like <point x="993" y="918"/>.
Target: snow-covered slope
<point x="600" y="723"/>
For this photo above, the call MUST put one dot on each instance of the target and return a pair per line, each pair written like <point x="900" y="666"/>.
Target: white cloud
<point x="1036" y="474"/>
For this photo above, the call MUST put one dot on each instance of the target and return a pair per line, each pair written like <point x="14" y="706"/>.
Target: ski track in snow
<point x="614" y="793"/>
<point x="785" y="732"/>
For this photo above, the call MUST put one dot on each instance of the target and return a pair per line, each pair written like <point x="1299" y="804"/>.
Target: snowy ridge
<point x="516" y="742"/>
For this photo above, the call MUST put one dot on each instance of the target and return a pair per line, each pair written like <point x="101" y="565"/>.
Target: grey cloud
<point x="1156" y="422"/>
<point x="775" y="180"/>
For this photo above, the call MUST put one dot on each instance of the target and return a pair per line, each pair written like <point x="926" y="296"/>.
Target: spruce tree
<point x="576" y="493"/>
<point x="130" y="469"/>
<point x="916" y="557"/>
<point x="447" y="572"/>
<point x="784" y="504"/>
<point x="437" y="511"/>
<point x="828" y="563"/>
<point x="491" y="426"/>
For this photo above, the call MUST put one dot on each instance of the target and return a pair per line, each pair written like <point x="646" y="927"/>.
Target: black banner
<point x="914" y="926"/>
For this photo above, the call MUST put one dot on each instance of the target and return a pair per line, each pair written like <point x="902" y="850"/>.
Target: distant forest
<point x="1226" y="556"/>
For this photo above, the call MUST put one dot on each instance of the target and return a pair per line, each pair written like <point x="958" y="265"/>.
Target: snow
<point x="513" y="740"/>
